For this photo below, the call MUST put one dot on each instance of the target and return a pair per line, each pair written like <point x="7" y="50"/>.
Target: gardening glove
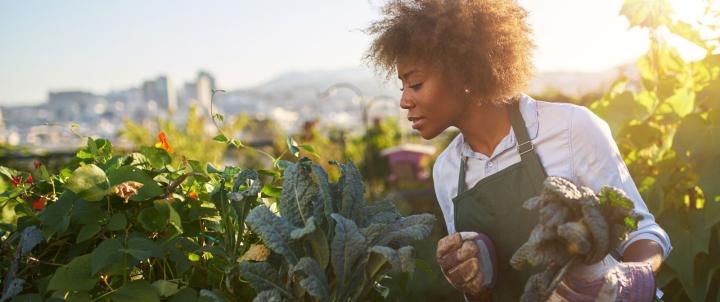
<point x="607" y="280"/>
<point x="467" y="260"/>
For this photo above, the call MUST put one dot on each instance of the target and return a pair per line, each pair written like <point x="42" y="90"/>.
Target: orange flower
<point x="163" y="142"/>
<point x="192" y="195"/>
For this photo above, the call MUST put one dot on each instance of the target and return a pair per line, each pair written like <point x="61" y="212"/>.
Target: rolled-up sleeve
<point x="596" y="162"/>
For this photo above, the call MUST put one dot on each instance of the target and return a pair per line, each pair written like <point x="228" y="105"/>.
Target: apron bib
<point x="494" y="207"/>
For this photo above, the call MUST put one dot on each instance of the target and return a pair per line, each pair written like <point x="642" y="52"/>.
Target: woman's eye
<point x="414" y="87"/>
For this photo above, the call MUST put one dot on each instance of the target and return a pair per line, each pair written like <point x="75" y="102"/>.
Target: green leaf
<point x="55" y="218"/>
<point x="298" y="193"/>
<point x="168" y="212"/>
<point x="273" y="230"/>
<point x="261" y="276"/>
<point x="105" y="255"/>
<point x="84" y="212"/>
<point x="140" y="290"/>
<point x="381" y="212"/>
<point x="152" y="220"/>
<point x="379" y="255"/>
<point x="74" y="276"/>
<point x="320" y="177"/>
<point x="647" y="13"/>
<point x="352" y="193"/>
<point x="400" y="260"/>
<point x="618" y="110"/>
<point x="315" y="282"/>
<point x="309" y="228"/>
<point x="405" y="229"/>
<point x="293" y="146"/>
<point x="166" y="288"/>
<point x="220" y="138"/>
<point x="142" y="248"/>
<point x="317" y="240"/>
<point x="696" y="141"/>
<point x="157" y="157"/>
<point x="310" y="149"/>
<point x="686" y="31"/>
<point x="117" y="222"/>
<point x="149" y="189"/>
<point x="89" y="182"/>
<point x="87" y="232"/>
<point x="642" y="136"/>
<point x="690" y="238"/>
<point x="682" y="102"/>
<point x="271" y="191"/>
<point x="347" y="247"/>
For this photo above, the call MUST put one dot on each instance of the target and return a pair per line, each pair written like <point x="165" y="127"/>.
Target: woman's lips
<point x="417" y="122"/>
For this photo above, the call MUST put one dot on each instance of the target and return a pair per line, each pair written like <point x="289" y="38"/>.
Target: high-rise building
<point x="160" y="91"/>
<point x="209" y="77"/>
<point x="199" y="91"/>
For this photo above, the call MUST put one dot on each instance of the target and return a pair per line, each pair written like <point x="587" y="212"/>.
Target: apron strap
<point x="461" y="179"/>
<point x="524" y="145"/>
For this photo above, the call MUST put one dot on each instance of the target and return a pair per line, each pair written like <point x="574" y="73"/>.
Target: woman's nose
<point x="405" y="101"/>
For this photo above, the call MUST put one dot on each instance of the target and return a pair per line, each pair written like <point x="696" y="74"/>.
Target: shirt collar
<point x="529" y="112"/>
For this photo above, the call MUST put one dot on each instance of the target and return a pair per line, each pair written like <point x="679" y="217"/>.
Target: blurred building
<point x="161" y="92"/>
<point x="71" y="105"/>
<point x="198" y="91"/>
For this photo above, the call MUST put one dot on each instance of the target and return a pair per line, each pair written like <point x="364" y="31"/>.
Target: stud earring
<point x="467" y="91"/>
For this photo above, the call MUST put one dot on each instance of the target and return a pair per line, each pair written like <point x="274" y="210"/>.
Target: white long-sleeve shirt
<point x="571" y="141"/>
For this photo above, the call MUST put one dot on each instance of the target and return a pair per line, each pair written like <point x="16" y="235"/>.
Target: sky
<point x="100" y="46"/>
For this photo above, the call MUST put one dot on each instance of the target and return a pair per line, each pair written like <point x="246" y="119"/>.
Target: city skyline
<point x="100" y="47"/>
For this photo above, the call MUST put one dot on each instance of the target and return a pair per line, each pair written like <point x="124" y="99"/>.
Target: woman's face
<point x="432" y="106"/>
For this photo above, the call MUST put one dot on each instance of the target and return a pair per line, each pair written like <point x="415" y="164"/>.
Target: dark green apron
<point x="494" y="207"/>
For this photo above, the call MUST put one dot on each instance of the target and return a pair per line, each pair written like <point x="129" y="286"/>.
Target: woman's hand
<point x="607" y="280"/>
<point x="467" y="265"/>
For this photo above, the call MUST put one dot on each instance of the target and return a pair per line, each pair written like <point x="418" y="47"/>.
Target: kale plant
<point x="328" y="244"/>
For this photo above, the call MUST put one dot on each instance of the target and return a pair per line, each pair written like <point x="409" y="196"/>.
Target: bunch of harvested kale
<point x="575" y="225"/>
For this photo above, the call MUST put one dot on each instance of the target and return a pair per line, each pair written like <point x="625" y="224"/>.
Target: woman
<point x="464" y="63"/>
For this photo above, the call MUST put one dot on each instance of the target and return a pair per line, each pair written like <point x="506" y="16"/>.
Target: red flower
<point x="163" y="142"/>
<point x="192" y="195"/>
<point x="39" y="204"/>
<point x="16" y="180"/>
<point x="29" y="180"/>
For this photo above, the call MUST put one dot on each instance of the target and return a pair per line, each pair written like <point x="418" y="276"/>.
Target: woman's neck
<point x="483" y="127"/>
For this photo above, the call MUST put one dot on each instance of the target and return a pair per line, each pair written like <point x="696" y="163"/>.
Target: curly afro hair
<point x="483" y="45"/>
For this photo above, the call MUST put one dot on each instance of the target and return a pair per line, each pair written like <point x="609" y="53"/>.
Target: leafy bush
<point x="134" y="226"/>
<point x="124" y="227"/>
<point x="667" y="127"/>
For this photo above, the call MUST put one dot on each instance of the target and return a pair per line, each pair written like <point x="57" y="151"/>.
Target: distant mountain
<point x="370" y="84"/>
<point x="572" y="84"/>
